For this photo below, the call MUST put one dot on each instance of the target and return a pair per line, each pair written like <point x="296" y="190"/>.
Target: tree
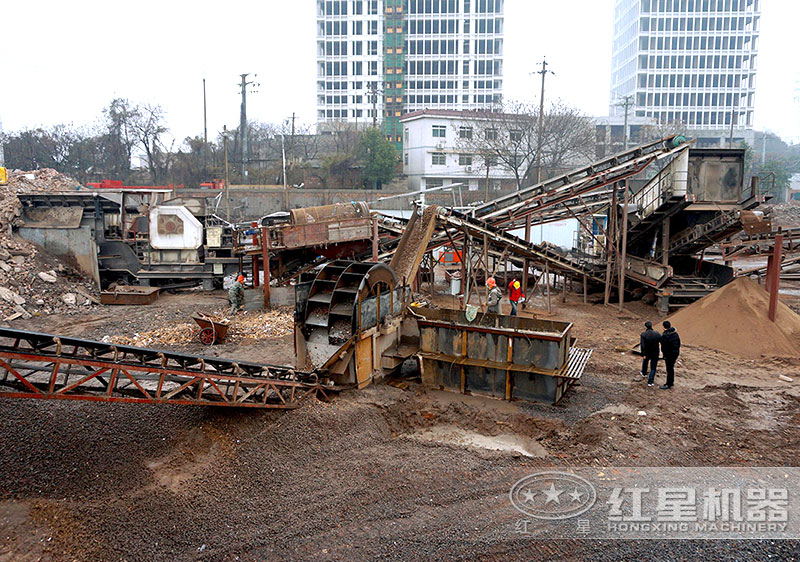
<point x="378" y="156"/>
<point x="148" y="129"/>
<point x="509" y="137"/>
<point x="118" y="141"/>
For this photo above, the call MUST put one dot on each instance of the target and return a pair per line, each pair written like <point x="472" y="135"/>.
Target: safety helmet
<point x="517" y="285"/>
<point x="240" y="279"/>
<point x="490" y="282"/>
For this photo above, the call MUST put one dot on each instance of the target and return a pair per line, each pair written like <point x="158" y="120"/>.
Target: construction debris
<point x="248" y="325"/>
<point x="34" y="282"/>
<point x="735" y="320"/>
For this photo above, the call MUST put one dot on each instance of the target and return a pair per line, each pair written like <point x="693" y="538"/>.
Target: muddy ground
<point x="403" y="474"/>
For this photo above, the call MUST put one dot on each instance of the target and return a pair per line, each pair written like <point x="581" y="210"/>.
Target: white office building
<point x="687" y="61"/>
<point x="434" y="157"/>
<point x="414" y="54"/>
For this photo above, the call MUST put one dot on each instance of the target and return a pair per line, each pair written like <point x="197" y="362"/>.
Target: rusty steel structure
<point x="48" y="367"/>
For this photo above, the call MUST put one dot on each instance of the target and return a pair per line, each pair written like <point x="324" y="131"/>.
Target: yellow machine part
<point x="3" y="176"/>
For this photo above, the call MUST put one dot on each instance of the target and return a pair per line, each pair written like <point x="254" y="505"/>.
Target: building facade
<point x="380" y="59"/>
<point x="687" y="61"/>
<point x="433" y="155"/>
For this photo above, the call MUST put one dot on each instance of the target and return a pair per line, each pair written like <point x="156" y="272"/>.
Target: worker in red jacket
<point x="515" y="295"/>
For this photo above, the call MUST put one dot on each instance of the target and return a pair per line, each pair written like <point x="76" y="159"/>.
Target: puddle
<point x="453" y="435"/>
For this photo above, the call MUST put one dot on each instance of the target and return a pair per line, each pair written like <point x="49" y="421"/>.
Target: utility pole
<point x="291" y="152"/>
<point x="543" y="72"/>
<point x="764" y="149"/>
<point x="205" y="126"/>
<point x="627" y="103"/>
<point x="243" y="120"/>
<point x="227" y="177"/>
<point x="373" y="89"/>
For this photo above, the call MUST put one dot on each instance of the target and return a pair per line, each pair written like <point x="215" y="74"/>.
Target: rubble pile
<point x="786" y="214"/>
<point x="35" y="181"/>
<point x="32" y="282"/>
<point x="248" y="325"/>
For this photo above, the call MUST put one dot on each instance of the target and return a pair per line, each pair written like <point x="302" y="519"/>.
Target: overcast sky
<point x="62" y="62"/>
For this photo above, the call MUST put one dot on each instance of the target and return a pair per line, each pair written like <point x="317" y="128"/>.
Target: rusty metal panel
<point x="539" y="353"/>
<point x="428" y="339"/>
<point x="530" y="386"/>
<point x="124" y="295"/>
<point x="487" y="382"/>
<point x="448" y="342"/>
<point x="363" y="362"/>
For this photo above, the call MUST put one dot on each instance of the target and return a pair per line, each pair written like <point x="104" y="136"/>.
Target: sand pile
<point x="735" y="319"/>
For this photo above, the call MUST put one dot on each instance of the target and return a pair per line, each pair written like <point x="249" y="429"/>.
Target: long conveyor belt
<point x="50" y="367"/>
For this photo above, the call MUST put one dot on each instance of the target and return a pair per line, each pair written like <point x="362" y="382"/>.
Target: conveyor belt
<point x="50" y="367"/>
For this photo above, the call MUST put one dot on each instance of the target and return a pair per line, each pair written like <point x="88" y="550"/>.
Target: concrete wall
<point x="249" y="202"/>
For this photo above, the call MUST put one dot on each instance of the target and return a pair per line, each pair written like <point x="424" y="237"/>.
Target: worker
<point x="670" y="348"/>
<point x="236" y="294"/>
<point x="648" y="343"/>
<point x="495" y="296"/>
<point x="515" y="295"/>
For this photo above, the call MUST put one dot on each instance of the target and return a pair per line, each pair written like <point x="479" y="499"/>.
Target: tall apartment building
<point x="383" y="58"/>
<point x="688" y="61"/>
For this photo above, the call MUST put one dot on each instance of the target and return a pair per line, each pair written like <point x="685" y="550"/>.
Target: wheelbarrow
<point x="211" y="331"/>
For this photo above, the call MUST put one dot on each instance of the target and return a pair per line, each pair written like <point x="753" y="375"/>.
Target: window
<point x="439" y="131"/>
<point x="465" y="132"/>
<point x="438" y="159"/>
<point x="465" y="159"/>
<point x="491" y="134"/>
<point x="515" y="136"/>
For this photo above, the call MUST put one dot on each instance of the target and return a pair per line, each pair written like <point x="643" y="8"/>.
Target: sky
<point x="63" y="62"/>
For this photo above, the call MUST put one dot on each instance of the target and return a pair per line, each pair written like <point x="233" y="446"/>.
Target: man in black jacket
<point x="670" y="348"/>
<point x="648" y="343"/>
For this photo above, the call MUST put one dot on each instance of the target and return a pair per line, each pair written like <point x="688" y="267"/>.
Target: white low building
<point x="435" y="153"/>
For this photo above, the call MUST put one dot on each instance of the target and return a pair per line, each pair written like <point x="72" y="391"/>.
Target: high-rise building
<point x="687" y="61"/>
<point x="380" y="59"/>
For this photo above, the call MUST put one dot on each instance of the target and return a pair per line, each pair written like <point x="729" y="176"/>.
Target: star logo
<point x="528" y="495"/>
<point x="579" y="495"/>
<point x="552" y="494"/>
<point x="576" y="495"/>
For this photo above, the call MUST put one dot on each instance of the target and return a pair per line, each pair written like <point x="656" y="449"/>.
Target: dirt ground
<point x="405" y="474"/>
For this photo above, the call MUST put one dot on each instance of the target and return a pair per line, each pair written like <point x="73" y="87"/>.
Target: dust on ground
<point x="380" y="473"/>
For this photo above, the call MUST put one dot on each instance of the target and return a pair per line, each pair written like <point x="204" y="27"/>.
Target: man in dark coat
<point x="648" y="343"/>
<point x="670" y="348"/>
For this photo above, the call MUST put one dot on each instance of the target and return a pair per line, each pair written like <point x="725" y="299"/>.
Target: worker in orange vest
<point x="515" y="295"/>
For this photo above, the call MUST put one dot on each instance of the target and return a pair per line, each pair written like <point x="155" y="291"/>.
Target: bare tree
<point x="505" y="137"/>
<point x="509" y="137"/>
<point x="568" y="139"/>
<point x="149" y="130"/>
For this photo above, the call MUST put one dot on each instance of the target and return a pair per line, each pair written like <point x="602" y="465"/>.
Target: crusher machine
<point x="355" y="322"/>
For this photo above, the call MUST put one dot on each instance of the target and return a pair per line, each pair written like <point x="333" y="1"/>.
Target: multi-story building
<point x="380" y="59"/>
<point x="687" y="61"/>
<point x="434" y="154"/>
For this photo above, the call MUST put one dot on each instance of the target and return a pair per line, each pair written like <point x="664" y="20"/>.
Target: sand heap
<point x="735" y="319"/>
